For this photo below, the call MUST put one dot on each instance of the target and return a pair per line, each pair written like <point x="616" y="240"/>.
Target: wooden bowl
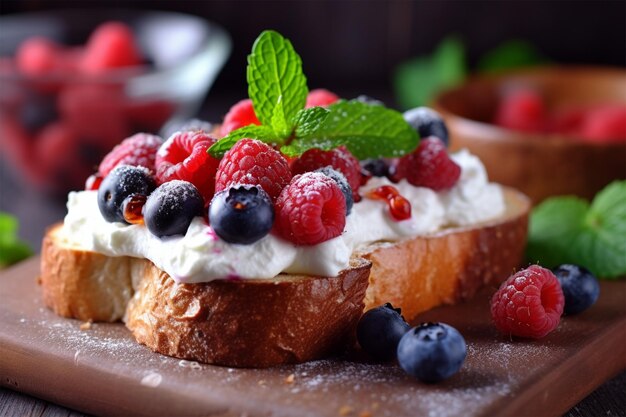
<point x="538" y="164"/>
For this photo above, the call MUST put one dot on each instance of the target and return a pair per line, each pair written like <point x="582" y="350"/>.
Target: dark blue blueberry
<point x="38" y="111"/>
<point x="369" y="100"/>
<point x="580" y="287"/>
<point x="342" y="182"/>
<point x="379" y="331"/>
<point x="122" y="182"/>
<point x="171" y="208"/>
<point x="241" y="214"/>
<point x="427" y="122"/>
<point x="432" y="352"/>
<point x="375" y="167"/>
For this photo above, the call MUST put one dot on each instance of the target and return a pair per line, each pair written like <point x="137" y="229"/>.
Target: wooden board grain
<point x="102" y="370"/>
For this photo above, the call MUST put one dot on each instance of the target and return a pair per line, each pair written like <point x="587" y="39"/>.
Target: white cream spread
<point x="201" y="256"/>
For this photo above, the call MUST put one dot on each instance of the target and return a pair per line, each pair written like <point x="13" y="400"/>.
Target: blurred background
<point x="351" y="48"/>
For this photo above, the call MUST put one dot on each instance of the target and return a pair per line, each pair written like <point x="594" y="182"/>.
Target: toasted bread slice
<point x="290" y="318"/>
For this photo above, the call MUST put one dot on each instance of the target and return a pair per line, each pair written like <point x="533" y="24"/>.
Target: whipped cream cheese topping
<point x="200" y="256"/>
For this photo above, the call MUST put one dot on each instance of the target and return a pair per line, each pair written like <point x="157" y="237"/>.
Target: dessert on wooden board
<point x="265" y="246"/>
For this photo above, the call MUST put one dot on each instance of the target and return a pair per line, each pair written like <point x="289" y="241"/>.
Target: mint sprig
<point x="570" y="230"/>
<point x="278" y="90"/>
<point x="12" y="249"/>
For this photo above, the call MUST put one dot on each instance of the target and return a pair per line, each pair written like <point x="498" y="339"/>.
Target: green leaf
<point x="262" y="133"/>
<point x="568" y="230"/>
<point x="416" y="82"/>
<point x="275" y="79"/>
<point x="307" y="120"/>
<point x="12" y="249"/>
<point x="509" y="55"/>
<point x="368" y="131"/>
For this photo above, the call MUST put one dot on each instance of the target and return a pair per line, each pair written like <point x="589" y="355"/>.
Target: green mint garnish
<point x="509" y="55"/>
<point x="368" y="131"/>
<point x="570" y="230"/>
<point x="12" y="249"/>
<point x="278" y="90"/>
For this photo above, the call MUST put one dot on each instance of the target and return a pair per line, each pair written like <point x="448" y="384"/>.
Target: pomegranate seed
<point x="132" y="207"/>
<point x="93" y="182"/>
<point x="399" y="207"/>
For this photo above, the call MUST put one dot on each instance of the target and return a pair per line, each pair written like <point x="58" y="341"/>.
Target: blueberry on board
<point x="580" y="287"/>
<point x="342" y="182"/>
<point x="427" y="122"/>
<point x="375" y="167"/>
<point x="241" y="214"/>
<point x="379" y="331"/>
<point x="121" y="182"/>
<point x="432" y="352"/>
<point x="171" y="207"/>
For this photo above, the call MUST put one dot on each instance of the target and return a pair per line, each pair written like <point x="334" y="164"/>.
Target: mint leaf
<point x="307" y="120"/>
<point x="12" y="249"/>
<point x="368" y="131"/>
<point x="276" y="80"/>
<point x="262" y="133"/>
<point x="509" y="55"/>
<point x="417" y="81"/>
<point x="569" y="230"/>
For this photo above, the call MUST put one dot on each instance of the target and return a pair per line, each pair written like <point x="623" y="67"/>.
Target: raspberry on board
<point x="528" y="304"/>
<point x="522" y="110"/>
<point x="253" y="162"/>
<point x="310" y="210"/>
<point x="339" y="159"/>
<point x="240" y="115"/>
<point x="37" y="56"/>
<point x="320" y="97"/>
<point x="429" y="166"/>
<point x="605" y="124"/>
<point x="111" y="45"/>
<point x="137" y="150"/>
<point x="184" y="157"/>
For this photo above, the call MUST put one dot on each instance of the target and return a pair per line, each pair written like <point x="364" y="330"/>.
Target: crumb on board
<point x="365" y="413"/>
<point x="261" y="382"/>
<point x="290" y="379"/>
<point x="86" y="325"/>
<point x="345" y="410"/>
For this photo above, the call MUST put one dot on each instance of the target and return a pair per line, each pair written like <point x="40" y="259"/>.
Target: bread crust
<point x="288" y="319"/>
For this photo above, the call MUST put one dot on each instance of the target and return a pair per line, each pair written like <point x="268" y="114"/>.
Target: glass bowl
<point x="56" y="127"/>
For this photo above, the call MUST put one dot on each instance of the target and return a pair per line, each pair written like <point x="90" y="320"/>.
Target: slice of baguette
<point x="288" y="319"/>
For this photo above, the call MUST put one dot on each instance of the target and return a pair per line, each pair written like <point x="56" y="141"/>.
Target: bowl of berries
<point x="75" y="83"/>
<point x="546" y="131"/>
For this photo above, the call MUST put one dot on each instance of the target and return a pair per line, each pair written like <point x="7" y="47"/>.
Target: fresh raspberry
<point x="137" y="150"/>
<point x="522" y="110"/>
<point x="429" y="166"/>
<point x="253" y="162"/>
<point x="528" y="304"/>
<point x="339" y="159"/>
<point x="37" y="56"/>
<point x="605" y="124"/>
<point x="184" y="157"/>
<point x="310" y="210"/>
<point x="111" y="45"/>
<point x="321" y="97"/>
<point x="240" y="115"/>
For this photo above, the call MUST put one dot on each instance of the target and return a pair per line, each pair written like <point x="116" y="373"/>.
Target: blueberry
<point x="171" y="208"/>
<point x="427" y="122"/>
<point x="432" y="352"/>
<point x="342" y="182"/>
<point x="379" y="331"/>
<point x="375" y="167"/>
<point x="241" y="214"/>
<point x="123" y="181"/>
<point x="38" y="111"/>
<point x="369" y="100"/>
<point x="580" y="287"/>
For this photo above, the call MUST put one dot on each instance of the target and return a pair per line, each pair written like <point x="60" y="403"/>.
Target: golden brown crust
<point x="444" y="268"/>
<point x="254" y="323"/>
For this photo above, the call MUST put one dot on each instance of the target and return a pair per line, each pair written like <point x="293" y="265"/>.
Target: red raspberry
<point x="339" y="158"/>
<point x="321" y="97"/>
<point x="429" y="166"/>
<point x="240" y="115"/>
<point x="310" y="210"/>
<point x="605" y="124"/>
<point x="184" y="157"/>
<point x="37" y="56"/>
<point x="253" y="162"/>
<point x="111" y="45"/>
<point x="137" y="150"/>
<point x="528" y="304"/>
<point x="522" y="110"/>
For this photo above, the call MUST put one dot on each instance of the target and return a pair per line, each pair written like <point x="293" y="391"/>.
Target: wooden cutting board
<point x="102" y="370"/>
